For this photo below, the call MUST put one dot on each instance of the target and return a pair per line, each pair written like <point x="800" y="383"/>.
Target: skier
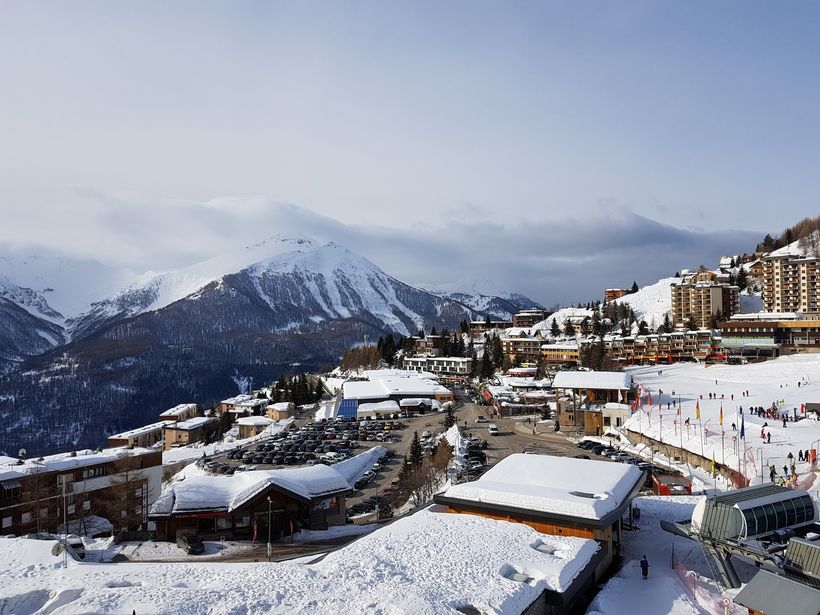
<point x="769" y="438"/>
<point x="644" y="567"/>
<point x="772" y="472"/>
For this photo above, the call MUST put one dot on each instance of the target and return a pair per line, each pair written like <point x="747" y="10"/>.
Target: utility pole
<point x="270" y="550"/>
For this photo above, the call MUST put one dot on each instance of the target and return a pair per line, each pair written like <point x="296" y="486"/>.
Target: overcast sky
<point x="581" y="140"/>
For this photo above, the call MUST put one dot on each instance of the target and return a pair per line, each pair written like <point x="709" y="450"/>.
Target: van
<point x="493" y="429"/>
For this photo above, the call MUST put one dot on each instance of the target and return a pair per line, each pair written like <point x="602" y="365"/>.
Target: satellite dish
<point x="21" y="453"/>
<point x="57" y="549"/>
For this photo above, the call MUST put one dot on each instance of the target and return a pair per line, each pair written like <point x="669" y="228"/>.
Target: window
<point x="6" y="522"/>
<point x="26" y="517"/>
<point x="223" y="523"/>
<point x="43" y="513"/>
<point x="71" y="509"/>
<point x="94" y="472"/>
<point x="86" y="505"/>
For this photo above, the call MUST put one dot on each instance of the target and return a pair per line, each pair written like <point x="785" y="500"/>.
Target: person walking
<point x="644" y="567"/>
<point x="772" y="472"/>
<point x="769" y="438"/>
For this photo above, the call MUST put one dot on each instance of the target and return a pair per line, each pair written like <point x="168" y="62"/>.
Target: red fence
<point x="703" y="594"/>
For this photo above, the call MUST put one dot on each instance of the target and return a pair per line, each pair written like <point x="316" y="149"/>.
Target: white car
<point x="481" y="419"/>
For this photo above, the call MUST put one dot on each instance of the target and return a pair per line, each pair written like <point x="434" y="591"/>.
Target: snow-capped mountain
<point x="184" y="335"/>
<point x="500" y="307"/>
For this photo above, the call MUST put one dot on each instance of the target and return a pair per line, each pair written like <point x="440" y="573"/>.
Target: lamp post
<point x="270" y="552"/>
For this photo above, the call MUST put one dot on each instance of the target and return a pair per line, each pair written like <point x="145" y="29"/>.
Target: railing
<point x="702" y="594"/>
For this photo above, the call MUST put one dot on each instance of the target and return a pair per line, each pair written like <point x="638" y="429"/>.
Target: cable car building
<point x="752" y="512"/>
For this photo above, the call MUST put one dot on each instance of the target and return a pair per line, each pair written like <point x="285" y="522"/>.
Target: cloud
<point x="468" y="248"/>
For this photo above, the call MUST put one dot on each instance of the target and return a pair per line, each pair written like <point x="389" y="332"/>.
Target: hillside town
<point x="545" y="430"/>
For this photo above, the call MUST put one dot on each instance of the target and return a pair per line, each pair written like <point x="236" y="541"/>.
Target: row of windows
<point x="27" y="517"/>
<point x="778" y="515"/>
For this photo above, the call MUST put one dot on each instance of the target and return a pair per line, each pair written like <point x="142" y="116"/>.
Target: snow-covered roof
<point x="428" y="563"/>
<point x="194" y="423"/>
<point x="579" y="488"/>
<point x="254" y="421"/>
<point x="381" y="374"/>
<point x="388" y="387"/>
<point x="226" y="493"/>
<point x="282" y="406"/>
<point x="178" y="411"/>
<point x="592" y="380"/>
<point x="237" y="399"/>
<point x="68" y="461"/>
<point x="768" y="316"/>
<point x="133" y="433"/>
<point x="381" y="406"/>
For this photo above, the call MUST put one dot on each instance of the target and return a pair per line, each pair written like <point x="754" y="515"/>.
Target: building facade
<point x="701" y="301"/>
<point x="118" y="484"/>
<point x="448" y="366"/>
<point x="790" y="283"/>
<point x="528" y="318"/>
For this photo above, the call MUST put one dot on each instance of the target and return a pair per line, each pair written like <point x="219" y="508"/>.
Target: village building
<point x="145" y="436"/>
<point x="248" y="505"/>
<point x="554" y="495"/>
<point x="226" y="405"/>
<point x="564" y="354"/>
<point x="790" y="278"/>
<point x="528" y="318"/>
<point x="187" y="432"/>
<point x="182" y="412"/>
<point x="767" y="334"/>
<point x="585" y="394"/>
<point x="37" y="495"/>
<point x="479" y="327"/>
<point x="460" y="367"/>
<point x="395" y="389"/>
<point x="700" y="302"/>
<point x="280" y="410"/>
<point x="250" y="426"/>
<point x="610" y="294"/>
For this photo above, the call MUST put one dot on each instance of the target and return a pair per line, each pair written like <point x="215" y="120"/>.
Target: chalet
<point x="249" y="504"/>
<point x="554" y="495"/>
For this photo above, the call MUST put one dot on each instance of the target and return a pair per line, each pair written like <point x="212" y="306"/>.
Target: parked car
<point x="192" y="545"/>
<point x="481" y="419"/>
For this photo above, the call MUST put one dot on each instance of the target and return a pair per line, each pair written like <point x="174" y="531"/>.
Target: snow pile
<point x="354" y="468"/>
<point x="651" y="303"/>
<point x="575" y="487"/>
<point x="427" y="563"/>
<point x="560" y="317"/>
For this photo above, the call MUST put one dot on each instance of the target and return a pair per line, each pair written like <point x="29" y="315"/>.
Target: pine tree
<point x="498" y="352"/>
<point x="449" y="417"/>
<point x="554" y="330"/>
<point x="585" y="326"/>
<point x="569" y="328"/>
<point x="486" y="364"/>
<point x="597" y="325"/>
<point x="643" y="328"/>
<point x="742" y="279"/>
<point x="691" y="325"/>
<point x="416" y="453"/>
<point x="474" y="363"/>
<point x="634" y="288"/>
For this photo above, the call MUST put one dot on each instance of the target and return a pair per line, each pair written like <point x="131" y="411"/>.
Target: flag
<point x="713" y="463"/>
<point x="721" y="414"/>
<point x="678" y="412"/>
<point x="742" y="427"/>
<point x="697" y="410"/>
<point x="650" y="399"/>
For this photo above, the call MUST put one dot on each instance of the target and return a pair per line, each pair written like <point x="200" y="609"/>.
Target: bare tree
<point x="126" y="498"/>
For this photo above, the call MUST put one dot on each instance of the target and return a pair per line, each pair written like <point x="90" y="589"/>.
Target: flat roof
<point x="254" y="421"/>
<point x="69" y="461"/>
<point x="194" y="423"/>
<point x="179" y="410"/>
<point x="387" y="387"/>
<point x="774" y="594"/>
<point x="553" y="486"/>
<point x="133" y="433"/>
<point x="592" y="380"/>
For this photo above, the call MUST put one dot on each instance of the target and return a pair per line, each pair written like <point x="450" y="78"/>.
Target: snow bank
<point x="427" y="564"/>
<point x="354" y="468"/>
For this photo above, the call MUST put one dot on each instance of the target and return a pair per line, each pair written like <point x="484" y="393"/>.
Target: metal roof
<point x="730" y="498"/>
<point x="775" y="595"/>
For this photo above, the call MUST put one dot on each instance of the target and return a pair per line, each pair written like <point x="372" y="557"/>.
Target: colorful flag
<point x="697" y="410"/>
<point x="721" y="414"/>
<point x="742" y="427"/>
<point x="713" y="463"/>
<point x="678" y="412"/>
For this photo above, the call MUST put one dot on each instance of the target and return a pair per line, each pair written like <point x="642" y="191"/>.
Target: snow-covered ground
<point x="767" y="383"/>
<point x="428" y="563"/>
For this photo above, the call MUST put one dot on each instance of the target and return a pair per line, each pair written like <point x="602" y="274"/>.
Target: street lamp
<point x="270" y="553"/>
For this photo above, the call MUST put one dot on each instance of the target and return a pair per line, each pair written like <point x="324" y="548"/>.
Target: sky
<point x="534" y="146"/>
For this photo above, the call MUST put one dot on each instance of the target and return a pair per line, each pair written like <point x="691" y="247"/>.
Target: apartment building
<point x="448" y="366"/>
<point x="560" y="354"/>
<point x="480" y="327"/>
<point x="187" y="432"/>
<point x="522" y="349"/>
<point x="700" y="301"/>
<point x="610" y="294"/>
<point x="528" y="318"/>
<point x="37" y="495"/>
<point x="790" y="281"/>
